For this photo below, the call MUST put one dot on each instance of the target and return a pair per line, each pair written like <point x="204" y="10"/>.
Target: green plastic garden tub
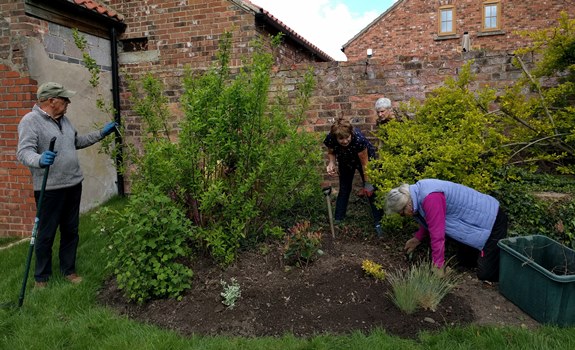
<point x="537" y="274"/>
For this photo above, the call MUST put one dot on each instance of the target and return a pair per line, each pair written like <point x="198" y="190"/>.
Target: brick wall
<point x="350" y="89"/>
<point x="17" y="208"/>
<point x="411" y="28"/>
<point x="175" y="35"/>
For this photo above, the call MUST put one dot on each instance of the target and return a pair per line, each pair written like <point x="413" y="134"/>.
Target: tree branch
<point x="517" y="119"/>
<point x="534" y="142"/>
<point x="543" y="104"/>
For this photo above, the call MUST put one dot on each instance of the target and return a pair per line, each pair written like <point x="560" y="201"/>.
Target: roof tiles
<point x="99" y="8"/>
<point x="95" y="6"/>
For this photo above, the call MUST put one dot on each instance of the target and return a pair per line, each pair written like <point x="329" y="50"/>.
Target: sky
<point x="327" y="24"/>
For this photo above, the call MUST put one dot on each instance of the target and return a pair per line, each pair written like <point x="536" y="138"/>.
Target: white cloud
<point x="326" y="24"/>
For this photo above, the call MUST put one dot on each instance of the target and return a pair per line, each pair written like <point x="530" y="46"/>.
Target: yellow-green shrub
<point x="451" y="136"/>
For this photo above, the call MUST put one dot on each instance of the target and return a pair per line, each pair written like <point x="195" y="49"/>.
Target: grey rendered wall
<point x="58" y="59"/>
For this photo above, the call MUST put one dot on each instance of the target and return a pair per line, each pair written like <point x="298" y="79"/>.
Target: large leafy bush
<point x="237" y="161"/>
<point x="452" y="136"/>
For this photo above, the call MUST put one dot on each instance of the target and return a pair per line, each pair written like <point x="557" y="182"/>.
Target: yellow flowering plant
<point x="373" y="269"/>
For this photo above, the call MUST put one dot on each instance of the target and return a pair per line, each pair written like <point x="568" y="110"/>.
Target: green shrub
<point x="147" y="241"/>
<point x="450" y="137"/>
<point x="240" y="161"/>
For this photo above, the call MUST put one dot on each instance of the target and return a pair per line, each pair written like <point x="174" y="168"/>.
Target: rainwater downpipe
<point x="117" y="112"/>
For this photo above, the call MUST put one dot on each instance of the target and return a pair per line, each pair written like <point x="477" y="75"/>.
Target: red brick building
<point x="425" y="28"/>
<point x="166" y="37"/>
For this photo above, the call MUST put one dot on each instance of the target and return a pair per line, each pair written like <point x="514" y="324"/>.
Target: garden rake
<point x="35" y="229"/>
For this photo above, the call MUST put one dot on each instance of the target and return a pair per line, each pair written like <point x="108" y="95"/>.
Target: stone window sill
<point x="446" y="37"/>
<point x="495" y="32"/>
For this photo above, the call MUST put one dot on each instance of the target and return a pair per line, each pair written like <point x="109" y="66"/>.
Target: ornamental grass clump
<point x="421" y="286"/>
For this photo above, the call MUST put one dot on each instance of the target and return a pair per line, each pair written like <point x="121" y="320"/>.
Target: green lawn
<point x="65" y="316"/>
<point x="4" y="241"/>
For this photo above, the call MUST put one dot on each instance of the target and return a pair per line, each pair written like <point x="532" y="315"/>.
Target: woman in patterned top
<point x="352" y="150"/>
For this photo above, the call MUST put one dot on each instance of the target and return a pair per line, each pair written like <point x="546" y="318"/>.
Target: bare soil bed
<point x="331" y="295"/>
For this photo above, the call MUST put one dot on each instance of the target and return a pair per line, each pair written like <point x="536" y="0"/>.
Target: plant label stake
<point x="35" y="229"/>
<point x="327" y="192"/>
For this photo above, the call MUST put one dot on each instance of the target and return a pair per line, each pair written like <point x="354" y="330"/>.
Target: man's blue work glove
<point x="47" y="158"/>
<point x="108" y="129"/>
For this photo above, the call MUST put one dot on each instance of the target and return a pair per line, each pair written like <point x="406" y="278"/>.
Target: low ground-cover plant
<point x="420" y="286"/>
<point x="533" y="215"/>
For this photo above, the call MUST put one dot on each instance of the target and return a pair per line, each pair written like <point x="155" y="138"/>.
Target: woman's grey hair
<point x="382" y="103"/>
<point x="397" y="199"/>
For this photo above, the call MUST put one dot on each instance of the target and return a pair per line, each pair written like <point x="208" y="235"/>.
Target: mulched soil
<point x="331" y="295"/>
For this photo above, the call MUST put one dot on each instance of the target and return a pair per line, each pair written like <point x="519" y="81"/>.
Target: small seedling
<point x="232" y="292"/>
<point x="302" y="244"/>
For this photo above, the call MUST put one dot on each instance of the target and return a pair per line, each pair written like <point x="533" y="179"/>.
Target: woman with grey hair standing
<point x="384" y="111"/>
<point x="446" y="209"/>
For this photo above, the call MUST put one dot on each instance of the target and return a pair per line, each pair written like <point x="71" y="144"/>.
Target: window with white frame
<point x="491" y="15"/>
<point x="446" y="20"/>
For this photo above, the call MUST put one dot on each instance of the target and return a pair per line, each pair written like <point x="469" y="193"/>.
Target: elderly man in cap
<point x="64" y="185"/>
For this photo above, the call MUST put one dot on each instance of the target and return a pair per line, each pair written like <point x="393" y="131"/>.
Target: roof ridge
<point x="376" y="20"/>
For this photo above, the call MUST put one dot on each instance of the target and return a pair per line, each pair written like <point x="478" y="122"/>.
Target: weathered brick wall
<point x="17" y="208"/>
<point x="182" y="34"/>
<point x="16" y="27"/>
<point x="411" y="28"/>
<point x="17" y="96"/>
<point x="33" y="51"/>
<point x="350" y="89"/>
